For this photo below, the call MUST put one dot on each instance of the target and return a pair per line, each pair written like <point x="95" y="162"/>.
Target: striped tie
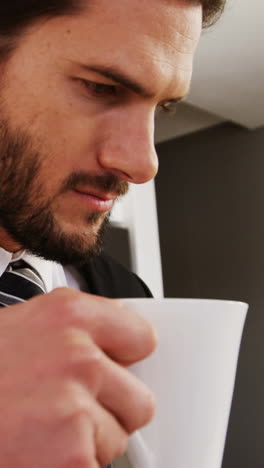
<point x="19" y="283"/>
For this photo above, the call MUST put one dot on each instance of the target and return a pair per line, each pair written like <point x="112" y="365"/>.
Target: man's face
<point x="77" y="106"/>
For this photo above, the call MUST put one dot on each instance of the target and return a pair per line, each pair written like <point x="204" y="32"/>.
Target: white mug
<point x="192" y="374"/>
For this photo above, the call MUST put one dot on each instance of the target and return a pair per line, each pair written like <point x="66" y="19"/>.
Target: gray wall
<point x="210" y="195"/>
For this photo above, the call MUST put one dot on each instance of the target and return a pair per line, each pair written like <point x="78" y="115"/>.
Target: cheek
<point x="66" y="148"/>
<point x="73" y="143"/>
<point x="61" y="129"/>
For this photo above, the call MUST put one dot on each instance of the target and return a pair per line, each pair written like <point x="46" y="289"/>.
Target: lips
<point x="96" y="200"/>
<point x="97" y="194"/>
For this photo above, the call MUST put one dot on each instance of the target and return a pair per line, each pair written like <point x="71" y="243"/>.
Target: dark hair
<point x="15" y="15"/>
<point x="212" y="10"/>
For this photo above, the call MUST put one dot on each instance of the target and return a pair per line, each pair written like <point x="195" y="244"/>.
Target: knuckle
<point x="75" y="407"/>
<point x="66" y="304"/>
<point x="71" y="307"/>
<point x="95" y="358"/>
<point x="76" y="339"/>
<point x="82" y="360"/>
<point x="73" y="402"/>
<point x="82" y="352"/>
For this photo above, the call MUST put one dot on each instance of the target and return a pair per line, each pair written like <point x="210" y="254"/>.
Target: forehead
<point x="147" y="38"/>
<point x="148" y="35"/>
<point x="163" y="19"/>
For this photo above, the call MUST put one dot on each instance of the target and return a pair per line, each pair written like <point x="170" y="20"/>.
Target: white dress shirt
<point x="53" y="274"/>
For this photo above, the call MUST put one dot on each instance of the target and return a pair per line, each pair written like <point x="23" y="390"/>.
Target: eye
<point x="99" y="90"/>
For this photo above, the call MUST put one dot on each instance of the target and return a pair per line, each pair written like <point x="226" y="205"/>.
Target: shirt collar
<point x="7" y="257"/>
<point x="43" y="267"/>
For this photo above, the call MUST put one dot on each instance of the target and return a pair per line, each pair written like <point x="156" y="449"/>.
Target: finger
<point x="73" y="442"/>
<point x="121" y="333"/>
<point x="114" y="386"/>
<point x="125" y="396"/>
<point x="110" y="437"/>
<point x="92" y="437"/>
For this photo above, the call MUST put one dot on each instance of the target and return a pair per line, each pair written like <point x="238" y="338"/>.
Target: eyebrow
<point x="124" y="80"/>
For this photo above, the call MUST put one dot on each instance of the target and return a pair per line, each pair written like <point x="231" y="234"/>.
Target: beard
<point x="29" y="218"/>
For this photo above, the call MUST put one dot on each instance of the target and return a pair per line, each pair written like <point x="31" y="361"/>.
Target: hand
<point x="66" y="397"/>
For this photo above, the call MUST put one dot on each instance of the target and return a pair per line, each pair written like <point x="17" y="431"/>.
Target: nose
<point x="127" y="149"/>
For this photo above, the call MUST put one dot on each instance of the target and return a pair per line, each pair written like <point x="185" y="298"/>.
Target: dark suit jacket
<point x="106" y="277"/>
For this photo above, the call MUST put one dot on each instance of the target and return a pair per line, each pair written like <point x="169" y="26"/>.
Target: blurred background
<point x="198" y="231"/>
